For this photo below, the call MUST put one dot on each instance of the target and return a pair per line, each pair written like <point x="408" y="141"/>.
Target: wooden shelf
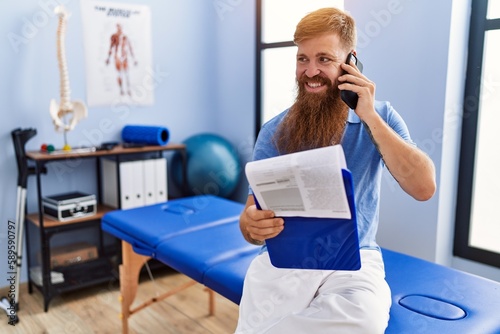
<point x="84" y="274"/>
<point x="104" y="268"/>
<point x="49" y="221"/>
<point x="117" y="150"/>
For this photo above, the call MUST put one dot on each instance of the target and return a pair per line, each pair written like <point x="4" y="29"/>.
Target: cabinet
<point x="104" y="267"/>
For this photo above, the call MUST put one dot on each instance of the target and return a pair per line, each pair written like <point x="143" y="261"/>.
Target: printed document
<point x="304" y="184"/>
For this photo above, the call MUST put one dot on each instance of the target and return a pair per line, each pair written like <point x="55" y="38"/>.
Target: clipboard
<point x="318" y="243"/>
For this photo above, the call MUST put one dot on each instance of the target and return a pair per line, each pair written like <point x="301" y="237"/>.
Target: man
<point x="121" y="48"/>
<point x="372" y="136"/>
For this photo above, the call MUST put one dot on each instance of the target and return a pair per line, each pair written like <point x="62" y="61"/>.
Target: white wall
<point x="234" y="87"/>
<point x="416" y="53"/>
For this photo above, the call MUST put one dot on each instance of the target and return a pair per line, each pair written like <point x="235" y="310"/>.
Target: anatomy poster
<point x="118" y="53"/>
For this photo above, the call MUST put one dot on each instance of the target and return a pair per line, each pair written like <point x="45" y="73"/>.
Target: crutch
<point x="19" y="137"/>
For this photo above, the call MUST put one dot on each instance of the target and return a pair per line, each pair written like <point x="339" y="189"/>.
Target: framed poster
<point x="118" y="53"/>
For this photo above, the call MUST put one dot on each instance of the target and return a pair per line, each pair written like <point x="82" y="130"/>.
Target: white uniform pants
<point x="289" y="301"/>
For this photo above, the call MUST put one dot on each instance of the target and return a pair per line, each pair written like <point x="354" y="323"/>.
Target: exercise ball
<point x="213" y="166"/>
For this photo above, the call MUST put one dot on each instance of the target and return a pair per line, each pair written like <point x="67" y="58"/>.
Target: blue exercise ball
<point x="213" y="166"/>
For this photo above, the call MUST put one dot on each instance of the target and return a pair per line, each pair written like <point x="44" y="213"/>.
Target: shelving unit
<point x="105" y="267"/>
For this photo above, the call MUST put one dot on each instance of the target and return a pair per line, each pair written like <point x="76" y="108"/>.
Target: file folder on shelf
<point x="318" y="243"/>
<point x="141" y="182"/>
<point x="155" y="181"/>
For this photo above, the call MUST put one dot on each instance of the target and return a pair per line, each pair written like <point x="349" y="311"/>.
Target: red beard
<point x="315" y="120"/>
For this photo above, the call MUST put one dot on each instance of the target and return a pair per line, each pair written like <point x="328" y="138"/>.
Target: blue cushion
<point x="146" y="227"/>
<point x="194" y="253"/>
<point x="430" y="298"/>
<point x="227" y="277"/>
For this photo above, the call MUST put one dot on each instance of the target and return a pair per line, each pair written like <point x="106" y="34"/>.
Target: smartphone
<point x="349" y="97"/>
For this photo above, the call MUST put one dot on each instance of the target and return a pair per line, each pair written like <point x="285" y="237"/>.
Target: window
<point x="275" y="58"/>
<point x="477" y="230"/>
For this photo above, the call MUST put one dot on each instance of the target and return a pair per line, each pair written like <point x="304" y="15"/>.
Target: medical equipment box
<point x="69" y="206"/>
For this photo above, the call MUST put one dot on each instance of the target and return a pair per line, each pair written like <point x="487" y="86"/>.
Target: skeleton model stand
<point x="76" y="110"/>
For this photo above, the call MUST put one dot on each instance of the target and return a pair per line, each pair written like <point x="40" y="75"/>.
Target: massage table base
<point x="130" y="269"/>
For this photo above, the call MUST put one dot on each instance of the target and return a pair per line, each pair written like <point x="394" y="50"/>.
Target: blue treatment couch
<point x="199" y="236"/>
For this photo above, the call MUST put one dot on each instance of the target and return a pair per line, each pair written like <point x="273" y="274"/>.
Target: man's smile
<point x="315" y="86"/>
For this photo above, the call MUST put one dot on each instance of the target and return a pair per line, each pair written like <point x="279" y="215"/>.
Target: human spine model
<point x="76" y="109"/>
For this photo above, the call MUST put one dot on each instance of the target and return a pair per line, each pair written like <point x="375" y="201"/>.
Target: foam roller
<point x="142" y="134"/>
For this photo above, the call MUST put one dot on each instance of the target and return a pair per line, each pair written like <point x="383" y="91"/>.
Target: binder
<point x="161" y="180"/>
<point x="149" y="182"/>
<point x="110" y="183"/>
<point x="155" y="181"/>
<point x="318" y="243"/>
<point x="132" y="184"/>
<point x="142" y="182"/>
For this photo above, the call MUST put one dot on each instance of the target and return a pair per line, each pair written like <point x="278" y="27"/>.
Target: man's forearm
<point x="411" y="167"/>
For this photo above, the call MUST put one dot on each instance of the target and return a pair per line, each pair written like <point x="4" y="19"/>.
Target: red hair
<point x="327" y="20"/>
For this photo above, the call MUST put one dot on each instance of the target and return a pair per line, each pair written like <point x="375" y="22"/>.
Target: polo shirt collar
<point x="352" y="117"/>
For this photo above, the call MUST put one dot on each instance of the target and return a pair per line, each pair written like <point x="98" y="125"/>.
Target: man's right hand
<point x="259" y="225"/>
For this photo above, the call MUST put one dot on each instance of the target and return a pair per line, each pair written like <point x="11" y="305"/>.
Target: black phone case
<point x="349" y="97"/>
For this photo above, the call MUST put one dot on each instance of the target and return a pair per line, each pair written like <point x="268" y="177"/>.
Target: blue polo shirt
<point x="363" y="160"/>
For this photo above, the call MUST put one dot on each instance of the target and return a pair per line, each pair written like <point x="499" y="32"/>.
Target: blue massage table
<point x="199" y="236"/>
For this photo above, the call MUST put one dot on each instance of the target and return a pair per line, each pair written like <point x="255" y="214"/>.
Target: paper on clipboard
<point x="303" y="184"/>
